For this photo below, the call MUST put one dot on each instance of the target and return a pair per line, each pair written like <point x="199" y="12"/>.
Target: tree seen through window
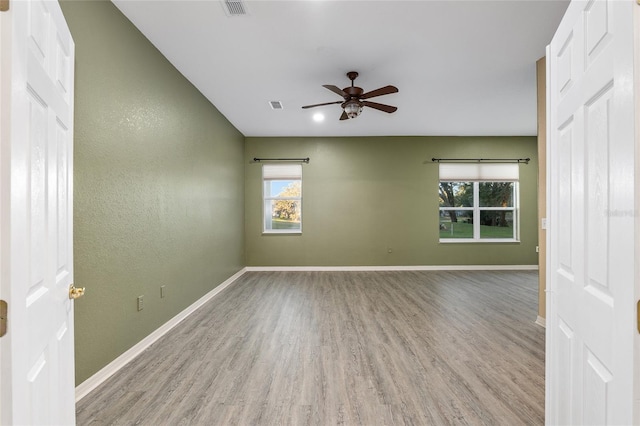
<point x="477" y="210"/>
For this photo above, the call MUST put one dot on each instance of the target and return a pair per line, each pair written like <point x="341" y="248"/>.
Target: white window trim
<point x="476" y="214"/>
<point x="280" y="172"/>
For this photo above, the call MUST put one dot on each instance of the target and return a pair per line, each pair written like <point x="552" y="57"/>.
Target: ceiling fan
<point x="354" y="98"/>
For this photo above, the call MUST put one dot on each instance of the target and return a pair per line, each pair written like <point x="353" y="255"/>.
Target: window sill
<point x="482" y="241"/>
<point x="281" y="232"/>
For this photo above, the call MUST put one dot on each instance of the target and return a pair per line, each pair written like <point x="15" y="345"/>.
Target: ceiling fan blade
<point x="336" y="90"/>
<point x="344" y="116"/>
<point x="381" y="107"/>
<point x="317" y="105"/>
<point x="379" y="92"/>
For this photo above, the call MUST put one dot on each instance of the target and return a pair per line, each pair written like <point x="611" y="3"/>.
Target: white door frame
<point x="636" y="49"/>
<point x="5" y="133"/>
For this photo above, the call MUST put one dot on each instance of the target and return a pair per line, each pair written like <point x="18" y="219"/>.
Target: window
<point x="282" y="196"/>
<point x="478" y="202"/>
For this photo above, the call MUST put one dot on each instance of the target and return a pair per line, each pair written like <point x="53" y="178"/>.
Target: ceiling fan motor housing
<point x="353" y="91"/>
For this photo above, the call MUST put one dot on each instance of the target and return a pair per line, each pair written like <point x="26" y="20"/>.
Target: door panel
<point x="591" y="234"/>
<point x="596" y="381"/>
<point x="39" y="215"/>
<point x="565" y="356"/>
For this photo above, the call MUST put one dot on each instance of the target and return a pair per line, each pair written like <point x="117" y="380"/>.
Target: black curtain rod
<point x="302" y="160"/>
<point x="481" y="160"/>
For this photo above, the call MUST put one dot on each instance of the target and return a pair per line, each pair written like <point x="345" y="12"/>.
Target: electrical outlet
<point x="537" y="249"/>
<point x="140" y="302"/>
<point x="162" y="292"/>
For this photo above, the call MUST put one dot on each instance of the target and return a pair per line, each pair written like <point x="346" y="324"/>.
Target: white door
<point x="36" y="214"/>
<point x="590" y="278"/>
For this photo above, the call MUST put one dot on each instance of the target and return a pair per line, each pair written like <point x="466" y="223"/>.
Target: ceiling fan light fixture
<point x="352" y="108"/>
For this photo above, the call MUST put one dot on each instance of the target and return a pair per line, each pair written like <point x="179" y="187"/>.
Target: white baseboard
<point x="396" y="268"/>
<point x="98" y="378"/>
<point x="541" y="321"/>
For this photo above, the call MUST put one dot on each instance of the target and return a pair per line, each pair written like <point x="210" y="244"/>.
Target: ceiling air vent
<point x="234" y="7"/>
<point x="275" y="104"/>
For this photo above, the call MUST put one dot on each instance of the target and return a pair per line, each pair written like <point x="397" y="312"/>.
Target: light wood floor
<point x="325" y="348"/>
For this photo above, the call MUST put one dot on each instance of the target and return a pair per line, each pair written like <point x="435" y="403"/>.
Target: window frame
<point x="476" y="210"/>
<point x="270" y="198"/>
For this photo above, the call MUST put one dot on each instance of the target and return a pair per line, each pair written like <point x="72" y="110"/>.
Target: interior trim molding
<point x="541" y="322"/>
<point x="107" y="371"/>
<point x="396" y="268"/>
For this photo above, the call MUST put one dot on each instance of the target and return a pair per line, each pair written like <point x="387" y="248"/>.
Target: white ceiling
<point x="461" y="67"/>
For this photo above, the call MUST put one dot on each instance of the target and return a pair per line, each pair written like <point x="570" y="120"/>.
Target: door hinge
<point x="3" y="318"/>
<point x="4" y="5"/>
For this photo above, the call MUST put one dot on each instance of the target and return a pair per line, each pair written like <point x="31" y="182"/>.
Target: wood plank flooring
<point x="325" y="348"/>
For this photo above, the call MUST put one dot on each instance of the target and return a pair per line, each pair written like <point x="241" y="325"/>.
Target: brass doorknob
<point x="75" y="293"/>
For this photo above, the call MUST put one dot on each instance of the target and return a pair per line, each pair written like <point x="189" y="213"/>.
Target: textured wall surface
<point x="159" y="182"/>
<point x="362" y="196"/>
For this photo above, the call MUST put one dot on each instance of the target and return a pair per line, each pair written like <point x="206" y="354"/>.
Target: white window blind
<point x="466" y="172"/>
<point x="281" y="171"/>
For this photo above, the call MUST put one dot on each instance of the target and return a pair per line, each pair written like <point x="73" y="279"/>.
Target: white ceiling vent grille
<point x="234" y="7"/>
<point x="275" y="104"/>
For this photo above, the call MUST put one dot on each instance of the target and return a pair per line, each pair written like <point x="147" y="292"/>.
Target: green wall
<point x="159" y="182"/>
<point x="362" y="196"/>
